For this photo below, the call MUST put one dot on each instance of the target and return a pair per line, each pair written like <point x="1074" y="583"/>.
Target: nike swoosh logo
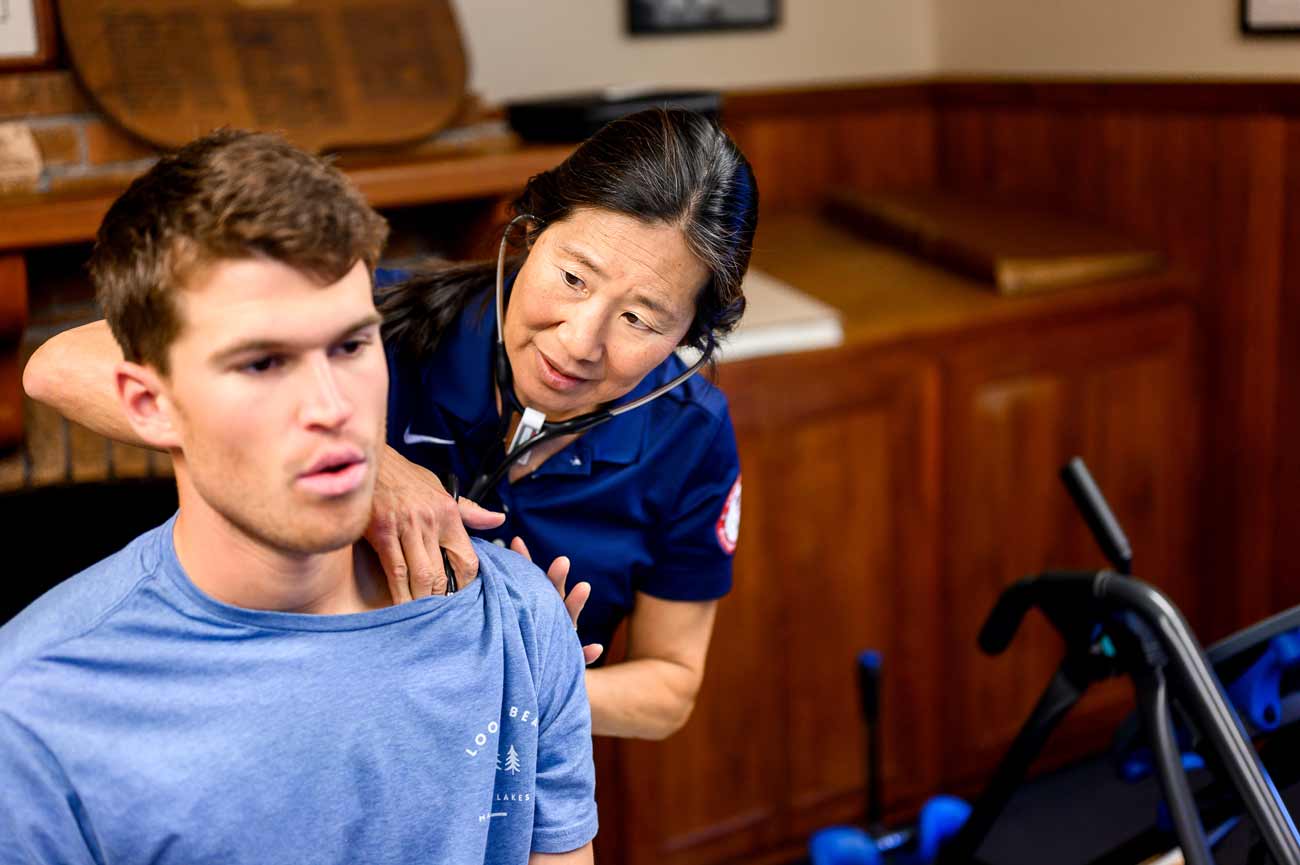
<point x="415" y="438"/>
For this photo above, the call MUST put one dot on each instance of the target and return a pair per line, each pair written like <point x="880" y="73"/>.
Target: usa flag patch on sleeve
<point x="728" y="527"/>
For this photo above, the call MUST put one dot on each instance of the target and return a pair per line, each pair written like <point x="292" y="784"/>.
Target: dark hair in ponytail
<point x="659" y="166"/>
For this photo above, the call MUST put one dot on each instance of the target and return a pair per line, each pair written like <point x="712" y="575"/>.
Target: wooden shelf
<point x="888" y="298"/>
<point x="73" y="217"/>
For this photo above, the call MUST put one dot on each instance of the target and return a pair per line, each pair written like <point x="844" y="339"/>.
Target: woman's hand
<point x="558" y="573"/>
<point x="412" y="520"/>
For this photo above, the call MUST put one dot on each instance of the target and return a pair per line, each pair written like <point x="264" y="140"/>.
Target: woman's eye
<point x="572" y="280"/>
<point x="636" y="321"/>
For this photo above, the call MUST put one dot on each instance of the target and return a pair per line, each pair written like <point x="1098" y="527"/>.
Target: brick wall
<point x="78" y="145"/>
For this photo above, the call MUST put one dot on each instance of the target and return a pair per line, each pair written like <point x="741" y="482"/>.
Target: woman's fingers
<point x="591" y="652"/>
<point x="455" y="540"/>
<point x="558" y="573"/>
<point x="425" y="571"/>
<point x="414" y="520"/>
<point x="382" y="537"/>
<point x="476" y="516"/>
<point x="576" y="600"/>
<point x="446" y="531"/>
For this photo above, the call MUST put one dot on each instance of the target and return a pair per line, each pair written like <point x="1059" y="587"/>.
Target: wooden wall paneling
<point x="1285" y="567"/>
<point x="13" y="318"/>
<point x="1141" y="435"/>
<point x="790" y="159"/>
<point x="1132" y="170"/>
<point x="1207" y="187"/>
<point x="799" y="157"/>
<point x="1243" y="309"/>
<point x="887" y="150"/>
<point x="1017" y="409"/>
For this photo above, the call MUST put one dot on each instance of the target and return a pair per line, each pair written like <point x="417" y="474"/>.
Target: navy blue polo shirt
<point x="648" y="501"/>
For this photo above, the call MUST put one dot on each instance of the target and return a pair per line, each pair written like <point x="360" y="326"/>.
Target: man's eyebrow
<point x="274" y="346"/>
<point x="582" y="258"/>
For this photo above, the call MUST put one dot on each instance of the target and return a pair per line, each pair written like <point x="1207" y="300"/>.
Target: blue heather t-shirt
<point x="143" y="721"/>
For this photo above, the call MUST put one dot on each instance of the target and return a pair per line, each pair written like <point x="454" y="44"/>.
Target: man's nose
<point x="324" y="404"/>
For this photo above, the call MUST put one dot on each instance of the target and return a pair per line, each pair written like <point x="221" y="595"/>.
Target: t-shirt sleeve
<point x="693" y="561"/>
<point x="40" y="818"/>
<point x="564" y="813"/>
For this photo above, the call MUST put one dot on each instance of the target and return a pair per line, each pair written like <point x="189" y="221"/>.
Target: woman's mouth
<point x="555" y="378"/>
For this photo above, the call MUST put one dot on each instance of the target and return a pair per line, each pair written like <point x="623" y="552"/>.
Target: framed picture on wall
<point x="1270" y="17"/>
<point x="27" y="36"/>
<point x="660" y="17"/>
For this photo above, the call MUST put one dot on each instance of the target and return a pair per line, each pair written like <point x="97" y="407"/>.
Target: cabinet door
<point x="1117" y="391"/>
<point x="836" y="554"/>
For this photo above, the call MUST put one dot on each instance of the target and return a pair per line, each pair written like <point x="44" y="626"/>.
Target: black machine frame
<point x="1116" y="625"/>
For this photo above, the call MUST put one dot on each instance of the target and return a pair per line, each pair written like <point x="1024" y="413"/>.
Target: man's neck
<point x="236" y="569"/>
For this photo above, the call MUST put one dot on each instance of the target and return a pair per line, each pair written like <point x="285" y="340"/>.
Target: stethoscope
<point x="534" y="430"/>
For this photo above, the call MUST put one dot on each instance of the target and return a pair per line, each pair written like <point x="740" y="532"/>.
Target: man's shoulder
<point x="517" y="577"/>
<point x="80" y="603"/>
<point x="529" y="592"/>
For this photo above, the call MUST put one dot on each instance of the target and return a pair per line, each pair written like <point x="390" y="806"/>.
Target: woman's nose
<point x="582" y="335"/>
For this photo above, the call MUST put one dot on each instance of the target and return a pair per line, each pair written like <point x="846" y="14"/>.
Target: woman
<point x="634" y="246"/>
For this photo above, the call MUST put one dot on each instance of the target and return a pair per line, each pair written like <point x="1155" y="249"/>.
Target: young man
<point x="236" y="685"/>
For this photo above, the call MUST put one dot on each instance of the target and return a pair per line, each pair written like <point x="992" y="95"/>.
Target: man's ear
<point x="147" y="405"/>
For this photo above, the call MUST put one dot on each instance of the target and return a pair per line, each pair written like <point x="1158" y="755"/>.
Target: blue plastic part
<point x="1257" y="693"/>
<point x="869" y="658"/>
<point x="941" y="818"/>
<point x="843" y="845"/>
<point x="1216" y="835"/>
<point x="1138" y="764"/>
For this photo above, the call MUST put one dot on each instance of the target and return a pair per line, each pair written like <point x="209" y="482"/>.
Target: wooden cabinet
<point x="893" y="487"/>
<point x="1115" y="388"/>
<point x="838" y="483"/>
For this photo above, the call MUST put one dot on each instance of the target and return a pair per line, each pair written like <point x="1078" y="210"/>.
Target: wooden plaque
<point x="326" y="73"/>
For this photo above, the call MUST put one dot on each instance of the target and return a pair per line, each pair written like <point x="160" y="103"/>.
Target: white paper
<point x="779" y="319"/>
<point x="18" y="29"/>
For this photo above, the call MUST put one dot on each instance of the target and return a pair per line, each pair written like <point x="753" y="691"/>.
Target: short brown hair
<point x="228" y="195"/>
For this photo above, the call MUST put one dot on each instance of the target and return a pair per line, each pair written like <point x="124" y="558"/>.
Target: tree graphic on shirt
<point x="512" y="761"/>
